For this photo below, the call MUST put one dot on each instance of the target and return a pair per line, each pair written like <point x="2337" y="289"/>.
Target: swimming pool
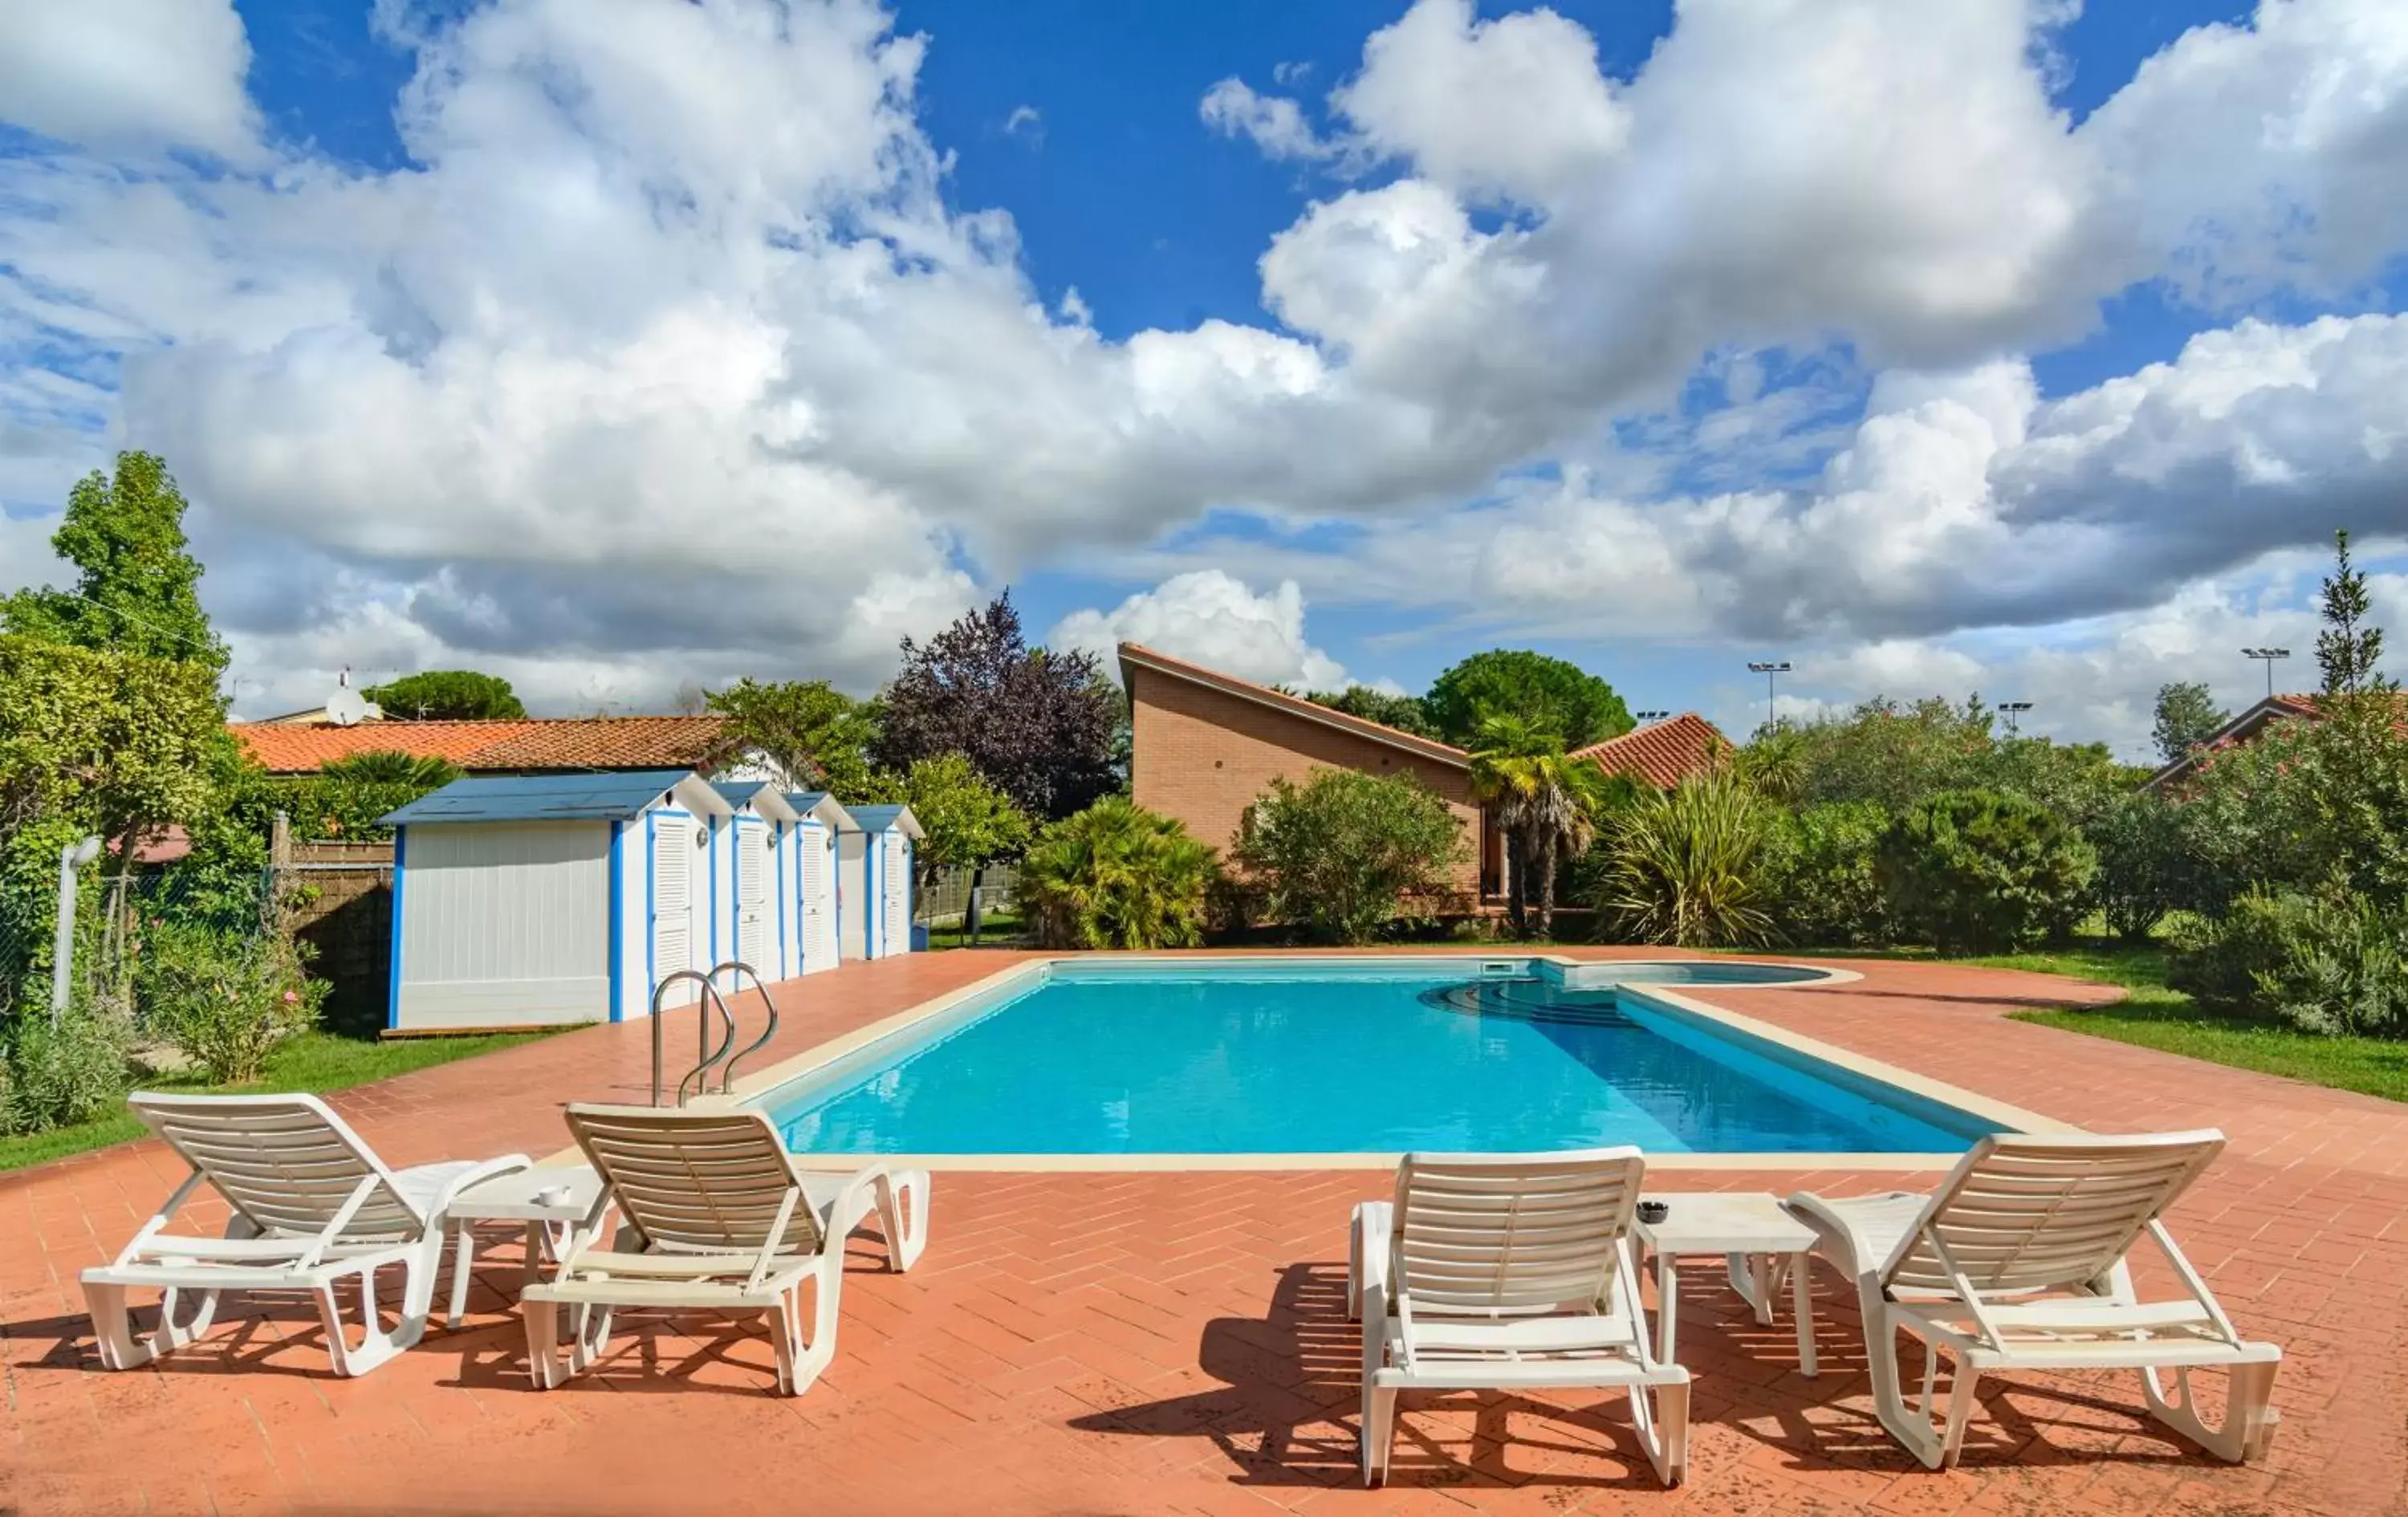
<point x="1303" y="1056"/>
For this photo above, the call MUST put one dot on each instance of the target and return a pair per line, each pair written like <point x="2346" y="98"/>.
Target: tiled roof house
<point x="535" y="745"/>
<point x="2248" y="728"/>
<point x="1204" y="744"/>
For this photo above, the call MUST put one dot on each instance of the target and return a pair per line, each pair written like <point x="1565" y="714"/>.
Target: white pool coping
<point x="2014" y="1119"/>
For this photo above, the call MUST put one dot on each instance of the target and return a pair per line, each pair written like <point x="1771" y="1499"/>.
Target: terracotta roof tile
<point x="612" y="742"/>
<point x="1663" y="755"/>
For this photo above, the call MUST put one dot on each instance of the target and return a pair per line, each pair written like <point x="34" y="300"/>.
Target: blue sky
<point x="1327" y="342"/>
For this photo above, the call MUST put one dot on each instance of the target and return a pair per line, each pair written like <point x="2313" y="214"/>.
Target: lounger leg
<point x="542" y="1319"/>
<point x="377" y="1345"/>
<point x="1355" y="1266"/>
<point x="1962" y="1382"/>
<point x="1379" y="1431"/>
<point x="804" y="1362"/>
<point x="1663" y="1428"/>
<point x="112" y="1325"/>
<point x="1910" y="1427"/>
<point x="903" y="1212"/>
<point x="2247" y="1430"/>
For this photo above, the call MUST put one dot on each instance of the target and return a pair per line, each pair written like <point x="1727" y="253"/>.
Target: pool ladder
<point x="723" y="1055"/>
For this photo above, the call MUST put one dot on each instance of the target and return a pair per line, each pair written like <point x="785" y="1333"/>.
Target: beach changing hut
<point x="539" y="900"/>
<point x="874" y="881"/>
<point x="811" y="882"/>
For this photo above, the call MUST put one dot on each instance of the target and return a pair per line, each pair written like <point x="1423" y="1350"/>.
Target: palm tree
<point x="1545" y="800"/>
<point x="391" y="766"/>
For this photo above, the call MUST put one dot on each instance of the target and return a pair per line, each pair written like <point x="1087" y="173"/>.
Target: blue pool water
<point x="1341" y="1059"/>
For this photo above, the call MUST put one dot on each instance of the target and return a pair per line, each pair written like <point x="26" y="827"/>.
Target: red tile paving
<point x="1118" y="1343"/>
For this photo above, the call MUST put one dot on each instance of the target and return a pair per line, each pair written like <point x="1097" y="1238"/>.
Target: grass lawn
<point x="315" y="1061"/>
<point x="2156" y="1017"/>
<point x="997" y="929"/>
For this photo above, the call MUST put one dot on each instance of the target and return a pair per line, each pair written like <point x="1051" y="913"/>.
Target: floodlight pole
<point x="2013" y="710"/>
<point x="73" y="857"/>
<point x="2267" y="656"/>
<point x="1772" y="670"/>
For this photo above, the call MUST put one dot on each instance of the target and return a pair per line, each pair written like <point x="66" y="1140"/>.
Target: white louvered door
<point x="895" y="884"/>
<point x="753" y="897"/>
<point x="673" y="902"/>
<point x="816" y="896"/>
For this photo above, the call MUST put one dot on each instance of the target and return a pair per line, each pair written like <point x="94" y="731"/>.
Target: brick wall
<point x="1202" y="755"/>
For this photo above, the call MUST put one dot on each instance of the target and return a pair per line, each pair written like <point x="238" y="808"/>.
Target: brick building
<point x="1204" y="744"/>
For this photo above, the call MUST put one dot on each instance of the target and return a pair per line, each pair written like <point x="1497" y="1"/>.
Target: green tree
<point x="2144" y="871"/>
<point x="968" y="822"/>
<point x="1547" y="692"/>
<point x="2187" y="716"/>
<point x="448" y="696"/>
<point x="1984" y="871"/>
<point x="1116" y="876"/>
<point x="2347" y="651"/>
<point x="138" y="590"/>
<point x="813" y="735"/>
<point x="1402" y="712"/>
<point x="1547" y="801"/>
<point x="1686" y="866"/>
<point x="91" y="742"/>
<point x="1345" y="853"/>
<point x="1820" y="885"/>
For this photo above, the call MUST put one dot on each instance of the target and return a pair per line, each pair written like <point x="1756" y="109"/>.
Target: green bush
<point x="1979" y="871"/>
<point x="55" y="1077"/>
<point x="1688" y="866"/>
<point x="1116" y="876"/>
<point x="2328" y="960"/>
<point x="1821" y="886"/>
<point x="2144" y="868"/>
<point x="1341" y="857"/>
<point x="225" y="999"/>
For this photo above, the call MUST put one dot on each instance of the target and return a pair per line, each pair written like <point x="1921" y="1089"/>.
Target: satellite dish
<point x="346" y="708"/>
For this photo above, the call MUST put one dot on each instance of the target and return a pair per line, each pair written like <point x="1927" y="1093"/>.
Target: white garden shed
<point x="539" y="900"/>
<point x="811" y="882"/>
<point x="774" y="879"/>
<point x="874" y="881"/>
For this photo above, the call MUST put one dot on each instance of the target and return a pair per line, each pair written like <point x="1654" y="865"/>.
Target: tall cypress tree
<point x="138" y="588"/>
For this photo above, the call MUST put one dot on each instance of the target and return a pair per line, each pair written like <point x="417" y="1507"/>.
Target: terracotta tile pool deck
<point x="1140" y="1343"/>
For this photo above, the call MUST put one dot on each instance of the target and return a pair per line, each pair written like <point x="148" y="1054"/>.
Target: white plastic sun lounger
<point x="2019" y="1262"/>
<point x="1508" y="1272"/>
<point x="313" y="1208"/>
<point x="715" y="1216"/>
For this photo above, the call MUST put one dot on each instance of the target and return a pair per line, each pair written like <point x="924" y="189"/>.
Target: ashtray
<point x="553" y="1196"/>
<point x="1654" y="1211"/>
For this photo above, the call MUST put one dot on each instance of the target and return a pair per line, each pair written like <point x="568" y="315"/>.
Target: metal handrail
<point x="727" y="1070"/>
<point x="708" y="1055"/>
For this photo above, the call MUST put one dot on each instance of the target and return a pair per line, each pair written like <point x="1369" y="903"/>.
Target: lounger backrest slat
<point x="2025" y="1213"/>
<point x="1502" y="1235"/>
<point x="709" y="1181"/>
<point x="286" y="1162"/>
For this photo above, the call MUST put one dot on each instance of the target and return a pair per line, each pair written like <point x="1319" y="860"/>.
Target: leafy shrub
<point x="1688" y="866"/>
<point x="57" y="1076"/>
<point x="1983" y="872"/>
<point x="1821" y="885"/>
<point x="1345" y="854"/>
<point x="2326" y="961"/>
<point x="2144" y="871"/>
<point x="1116" y="876"/>
<point x="225" y="999"/>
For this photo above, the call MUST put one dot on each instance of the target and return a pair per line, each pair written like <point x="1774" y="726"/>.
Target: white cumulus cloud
<point x="1210" y="618"/>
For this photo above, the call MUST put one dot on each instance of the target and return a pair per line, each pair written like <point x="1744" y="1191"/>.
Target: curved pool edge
<point x="752" y="1088"/>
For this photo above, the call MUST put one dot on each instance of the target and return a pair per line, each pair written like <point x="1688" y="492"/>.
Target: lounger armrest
<point x="439" y="1205"/>
<point x="1374" y="1227"/>
<point x="1839" y="1238"/>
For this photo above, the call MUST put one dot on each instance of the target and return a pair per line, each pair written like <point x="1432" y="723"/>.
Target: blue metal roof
<point x="738" y="792"/>
<point x="804" y="800"/>
<point x="875" y="818"/>
<point x="540" y="797"/>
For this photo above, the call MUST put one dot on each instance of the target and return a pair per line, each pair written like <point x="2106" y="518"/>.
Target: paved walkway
<point x="1096" y="1344"/>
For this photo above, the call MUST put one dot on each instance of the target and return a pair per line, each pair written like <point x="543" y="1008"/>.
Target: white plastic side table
<point x="558" y="1207"/>
<point x="1760" y="1243"/>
